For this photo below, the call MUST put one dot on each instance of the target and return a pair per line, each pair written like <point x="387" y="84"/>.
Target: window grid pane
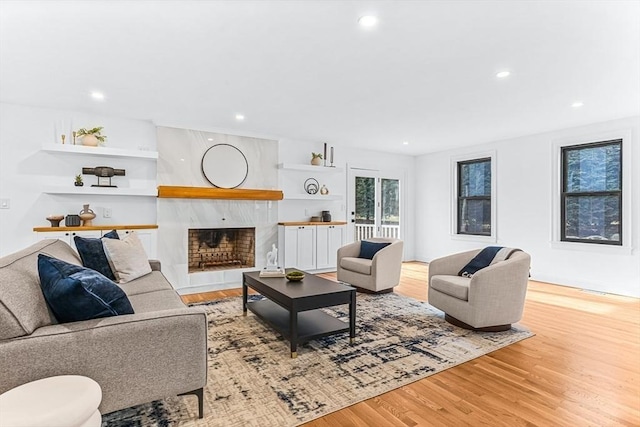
<point x="592" y="193"/>
<point x="474" y="197"/>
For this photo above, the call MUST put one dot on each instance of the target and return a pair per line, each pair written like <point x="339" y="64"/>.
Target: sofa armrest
<point x="504" y="280"/>
<point x="450" y="265"/>
<point x="135" y="358"/>
<point x="386" y="264"/>
<point x="155" y="265"/>
<point x="351" y="250"/>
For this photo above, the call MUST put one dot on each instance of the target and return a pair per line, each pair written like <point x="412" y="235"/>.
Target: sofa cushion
<point x="76" y="293"/>
<point x="92" y="253"/>
<point x="369" y="249"/>
<point x="23" y="308"/>
<point x="127" y="258"/>
<point x="156" y="301"/>
<point x="455" y="286"/>
<point x="145" y="284"/>
<point x="359" y="265"/>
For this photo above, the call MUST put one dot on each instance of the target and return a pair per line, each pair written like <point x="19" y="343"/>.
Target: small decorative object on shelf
<point x="91" y="137"/>
<point x="72" y="220"/>
<point x="295" y="276"/>
<point x="87" y="216"/>
<point x="55" y="220"/>
<point x="324" y="190"/>
<point x="78" y="182"/>
<point x="104" y="174"/>
<point x="74" y="137"/>
<point x="325" y="154"/>
<point x="316" y="159"/>
<point x="63" y="136"/>
<point x="311" y="186"/>
<point x="326" y="216"/>
<point x="332" y="157"/>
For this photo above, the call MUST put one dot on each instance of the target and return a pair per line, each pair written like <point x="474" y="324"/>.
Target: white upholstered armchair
<point x="491" y="300"/>
<point x="379" y="274"/>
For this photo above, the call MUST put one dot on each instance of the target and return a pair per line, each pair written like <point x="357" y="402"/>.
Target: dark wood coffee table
<point x="292" y="308"/>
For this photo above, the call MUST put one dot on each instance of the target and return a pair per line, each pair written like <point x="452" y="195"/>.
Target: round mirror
<point x="224" y="166"/>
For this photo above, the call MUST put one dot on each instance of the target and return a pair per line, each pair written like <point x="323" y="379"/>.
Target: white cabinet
<point x="299" y="246"/>
<point x="148" y="237"/>
<point x="329" y="238"/>
<point x="310" y="247"/>
<point x="67" y="236"/>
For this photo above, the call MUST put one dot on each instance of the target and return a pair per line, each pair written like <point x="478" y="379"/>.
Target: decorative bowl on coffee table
<point x="295" y="276"/>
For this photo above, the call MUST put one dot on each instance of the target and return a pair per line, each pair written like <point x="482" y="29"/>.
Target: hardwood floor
<point x="581" y="369"/>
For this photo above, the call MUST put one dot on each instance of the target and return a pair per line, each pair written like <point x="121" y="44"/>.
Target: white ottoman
<point x="64" y="401"/>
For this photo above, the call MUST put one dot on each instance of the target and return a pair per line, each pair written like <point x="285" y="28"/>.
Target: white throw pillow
<point x="127" y="258"/>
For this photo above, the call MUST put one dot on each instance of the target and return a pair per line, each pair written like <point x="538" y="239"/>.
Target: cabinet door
<point x="306" y="250"/>
<point x="329" y="239"/>
<point x="290" y="246"/>
<point x="147" y="238"/>
<point x="60" y="235"/>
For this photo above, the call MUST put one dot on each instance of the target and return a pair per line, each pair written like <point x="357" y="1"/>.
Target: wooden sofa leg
<point x="461" y="324"/>
<point x="199" y="393"/>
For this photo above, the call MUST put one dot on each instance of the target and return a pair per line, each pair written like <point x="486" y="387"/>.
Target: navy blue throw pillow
<point x="76" y="293"/>
<point x="92" y="253"/>
<point x="369" y="249"/>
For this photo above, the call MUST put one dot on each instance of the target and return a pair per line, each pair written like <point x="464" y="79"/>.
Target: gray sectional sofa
<point x="159" y="351"/>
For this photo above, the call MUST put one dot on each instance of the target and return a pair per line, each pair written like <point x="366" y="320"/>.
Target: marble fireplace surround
<point x="180" y="153"/>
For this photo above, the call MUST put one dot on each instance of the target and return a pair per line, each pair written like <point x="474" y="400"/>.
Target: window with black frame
<point x="474" y="197"/>
<point x="592" y="193"/>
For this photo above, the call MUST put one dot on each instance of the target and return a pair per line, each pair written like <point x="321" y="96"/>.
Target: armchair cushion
<point x="455" y="286"/>
<point x="369" y="249"/>
<point x="76" y="293"/>
<point x="359" y="265"/>
<point x="92" y="253"/>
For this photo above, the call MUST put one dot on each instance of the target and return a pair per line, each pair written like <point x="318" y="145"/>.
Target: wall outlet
<point x="106" y="213"/>
<point x="5" y="204"/>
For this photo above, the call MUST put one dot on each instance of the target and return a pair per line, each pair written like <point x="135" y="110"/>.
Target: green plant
<point x="95" y="132"/>
<point x="316" y="156"/>
<point x="78" y="179"/>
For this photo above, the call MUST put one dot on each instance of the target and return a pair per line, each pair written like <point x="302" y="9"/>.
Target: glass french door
<point x="374" y="205"/>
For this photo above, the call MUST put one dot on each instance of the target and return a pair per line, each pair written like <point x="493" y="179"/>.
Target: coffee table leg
<point x="352" y="317"/>
<point x="293" y="329"/>
<point x="244" y="298"/>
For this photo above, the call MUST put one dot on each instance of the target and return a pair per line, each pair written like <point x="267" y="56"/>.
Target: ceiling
<point x="305" y="70"/>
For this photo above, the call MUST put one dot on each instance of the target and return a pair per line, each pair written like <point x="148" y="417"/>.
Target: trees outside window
<point x="592" y="193"/>
<point x="474" y="197"/>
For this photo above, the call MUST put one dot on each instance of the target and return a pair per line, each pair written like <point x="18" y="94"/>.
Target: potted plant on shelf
<point x="91" y="137"/>
<point x="316" y="159"/>
<point x="78" y="182"/>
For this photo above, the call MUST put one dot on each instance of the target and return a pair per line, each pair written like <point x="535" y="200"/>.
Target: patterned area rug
<point x="254" y="382"/>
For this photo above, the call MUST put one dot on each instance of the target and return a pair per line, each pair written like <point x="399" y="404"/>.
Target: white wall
<point x="525" y="169"/>
<point x="25" y="171"/>
<point x="299" y="152"/>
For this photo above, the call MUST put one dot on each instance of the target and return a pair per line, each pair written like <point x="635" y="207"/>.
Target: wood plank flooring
<point x="581" y="369"/>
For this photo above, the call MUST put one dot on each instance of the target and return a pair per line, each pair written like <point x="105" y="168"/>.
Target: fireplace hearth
<point x="221" y="249"/>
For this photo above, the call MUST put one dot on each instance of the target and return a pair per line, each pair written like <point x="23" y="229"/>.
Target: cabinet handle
<point x="66" y="234"/>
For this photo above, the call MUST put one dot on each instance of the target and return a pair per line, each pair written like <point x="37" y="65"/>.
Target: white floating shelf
<point x="149" y="192"/>
<point x="309" y="168"/>
<point x="99" y="151"/>
<point x="313" y="197"/>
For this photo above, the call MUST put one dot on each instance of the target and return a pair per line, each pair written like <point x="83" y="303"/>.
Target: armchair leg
<point x="461" y="324"/>
<point x="199" y="393"/>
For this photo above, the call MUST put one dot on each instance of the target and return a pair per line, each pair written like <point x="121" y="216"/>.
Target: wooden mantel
<point x="177" y="192"/>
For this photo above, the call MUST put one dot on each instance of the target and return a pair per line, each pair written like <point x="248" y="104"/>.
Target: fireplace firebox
<point x="221" y="248"/>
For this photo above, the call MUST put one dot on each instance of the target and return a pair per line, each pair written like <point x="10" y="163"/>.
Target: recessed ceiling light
<point x="239" y="117"/>
<point x="182" y="160"/>
<point x="368" y="21"/>
<point x="209" y="139"/>
<point x="405" y="142"/>
<point x="577" y="104"/>
<point x="503" y="74"/>
<point x="97" y="96"/>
